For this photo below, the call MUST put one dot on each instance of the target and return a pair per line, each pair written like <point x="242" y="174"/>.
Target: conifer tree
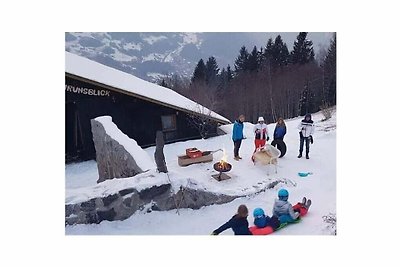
<point x="212" y="71"/>
<point x="329" y="68"/>
<point x="303" y="51"/>
<point x="280" y="52"/>
<point x="241" y="62"/>
<point x="268" y="51"/>
<point x="223" y="78"/>
<point x="253" y="60"/>
<point x="199" y="74"/>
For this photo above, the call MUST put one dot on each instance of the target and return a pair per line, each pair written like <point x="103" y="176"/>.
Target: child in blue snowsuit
<point x="238" y="223"/>
<point x="261" y="220"/>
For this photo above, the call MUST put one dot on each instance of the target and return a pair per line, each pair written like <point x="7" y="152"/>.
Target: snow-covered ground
<point x="247" y="179"/>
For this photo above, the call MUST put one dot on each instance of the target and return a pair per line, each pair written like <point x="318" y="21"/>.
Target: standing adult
<point x="280" y="129"/>
<point x="306" y="128"/>
<point x="237" y="135"/>
<point x="279" y="134"/>
<point x="260" y="133"/>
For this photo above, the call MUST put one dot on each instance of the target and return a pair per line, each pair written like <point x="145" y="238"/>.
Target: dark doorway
<point x="73" y="133"/>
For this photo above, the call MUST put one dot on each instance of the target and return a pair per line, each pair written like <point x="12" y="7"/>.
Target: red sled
<point x="261" y="231"/>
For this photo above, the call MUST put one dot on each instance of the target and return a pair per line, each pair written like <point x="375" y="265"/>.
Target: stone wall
<point x="122" y="205"/>
<point x="113" y="161"/>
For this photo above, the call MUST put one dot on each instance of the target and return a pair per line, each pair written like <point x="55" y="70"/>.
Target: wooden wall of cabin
<point x="137" y="118"/>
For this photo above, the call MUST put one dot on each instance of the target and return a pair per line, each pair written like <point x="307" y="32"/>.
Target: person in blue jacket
<point x="237" y="136"/>
<point x="261" y="220"/>
<point x="238" y="223"/>
<point x="280" y="129"/>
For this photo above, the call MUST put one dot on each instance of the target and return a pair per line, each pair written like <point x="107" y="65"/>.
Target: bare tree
<point x="175" y="82"/>
<point x="326" y="111"/>
<point x="201" y="120"/>
<point x="208" y="100"/>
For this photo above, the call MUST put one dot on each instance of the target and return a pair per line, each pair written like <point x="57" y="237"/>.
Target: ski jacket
<point x="239" y="225"/>
<point x="282" y="208"/>
<point x="237" y="133"/>
<point x="280" y="131"/>
<point x="261" y="131"/>
<point x="306" y="128"/>
<point x="265" y="221"/>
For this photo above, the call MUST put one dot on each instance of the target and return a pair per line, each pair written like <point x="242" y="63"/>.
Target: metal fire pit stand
<point x="221" y="175"/>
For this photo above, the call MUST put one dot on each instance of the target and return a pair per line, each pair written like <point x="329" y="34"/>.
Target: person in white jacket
<point x="306" y="128"/>
<point x="260" y="133"/>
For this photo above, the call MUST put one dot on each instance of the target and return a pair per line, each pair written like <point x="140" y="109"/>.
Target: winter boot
<point x="303" y="202"/>
<point x="308" y="204"/>
<point x="300" y="155"/>
<point x="307" y="157"/>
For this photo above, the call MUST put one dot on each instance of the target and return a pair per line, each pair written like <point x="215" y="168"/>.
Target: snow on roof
<point x="141" y="157"/>
<point x="97" y="72"/>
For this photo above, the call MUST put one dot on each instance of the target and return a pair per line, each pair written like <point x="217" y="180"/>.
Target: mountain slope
<point x="151" y="55"/>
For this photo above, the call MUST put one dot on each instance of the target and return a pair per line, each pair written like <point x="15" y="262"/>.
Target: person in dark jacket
<point x="261" y="220"/>
<point x="280" y="129"/>
<point x="238" y="223"/>
<point x="279" y="134"/>
<point x="237" y="136"/>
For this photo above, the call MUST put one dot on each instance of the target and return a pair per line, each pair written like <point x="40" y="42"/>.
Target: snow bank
<point x="142" y="159"/>
<point x="108" y="187"/>
<point x="81" y="174"/>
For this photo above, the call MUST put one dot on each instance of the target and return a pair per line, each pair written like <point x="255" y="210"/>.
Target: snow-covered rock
<point x="117" y="155"/>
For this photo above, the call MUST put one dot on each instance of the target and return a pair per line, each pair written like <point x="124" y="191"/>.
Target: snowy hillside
<point x="247" y="180"/>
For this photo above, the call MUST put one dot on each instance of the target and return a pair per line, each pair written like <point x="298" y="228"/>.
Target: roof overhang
<point x="122" y="91"/>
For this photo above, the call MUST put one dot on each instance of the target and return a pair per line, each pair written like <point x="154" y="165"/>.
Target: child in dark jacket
<point x="261" y="220"/>
<point x="238" y="223"/>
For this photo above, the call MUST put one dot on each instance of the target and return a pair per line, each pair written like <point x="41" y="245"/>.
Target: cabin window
<point x="168" y="122"/>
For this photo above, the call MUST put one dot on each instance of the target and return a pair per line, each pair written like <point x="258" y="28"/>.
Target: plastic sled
<point x="261" y="231"/>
